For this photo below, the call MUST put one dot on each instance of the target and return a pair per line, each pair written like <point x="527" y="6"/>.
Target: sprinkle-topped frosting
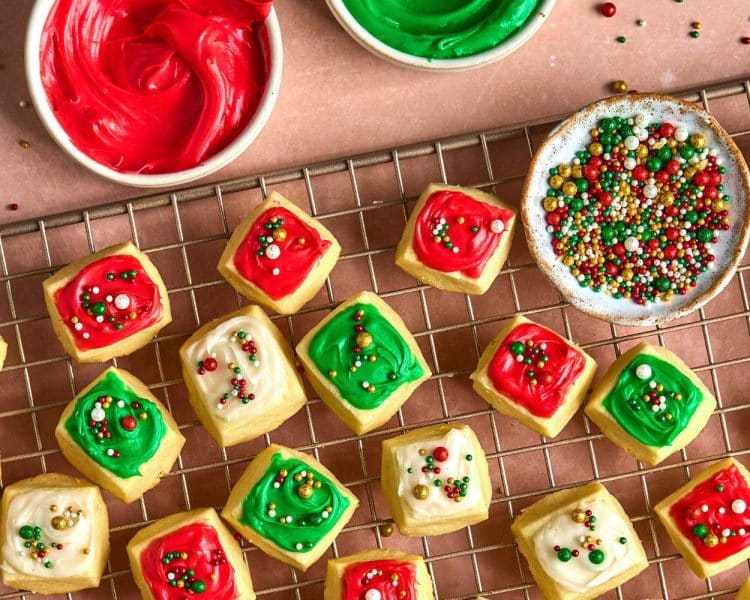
<point x="364" y="356"/>
<point x="446" y="29"/>
<point x="534" y="367"/>
<point x="293" y="505"/>
<point x="636" y="212"/>
<point x="108" y="301"/>
<point x="586" y="546"/>
<point x="188" y="562"/>
<point x="438" y="477"/>
<point x="714" y="517"/>
<point x="239" y="368"/>
<point x="653" y="400"/>
<point x="279" y="252"/>
<point x="50" y="533"/>
<point x="457" y="233"/>
<point x="380" y="580"/>
<point x="119" y="430"/>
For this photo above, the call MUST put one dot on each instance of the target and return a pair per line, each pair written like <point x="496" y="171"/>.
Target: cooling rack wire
<point x="365" y="200"/>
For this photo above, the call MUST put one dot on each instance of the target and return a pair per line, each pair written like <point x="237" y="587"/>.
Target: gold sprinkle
<point x="24" y="144"/>
<point x="364" y="339"/>
<point x="53" y="508"/>
<point x="86" y="551"/>
<point x="421" y="492"/>
<point x="578" y="515"/>
<point x="386" y="530"/>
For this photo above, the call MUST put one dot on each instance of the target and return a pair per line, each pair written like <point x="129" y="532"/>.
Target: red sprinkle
<point x="608" y="9"/>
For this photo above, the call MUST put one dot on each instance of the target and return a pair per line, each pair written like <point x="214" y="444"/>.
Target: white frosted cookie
<point x="436" y="480"/>
<point x="579" y="543"/>
<point x="241" y="376"/>
<point x="55" y="535"/>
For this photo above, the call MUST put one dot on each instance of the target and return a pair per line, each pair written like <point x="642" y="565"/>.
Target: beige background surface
<point x="337" y="99"/>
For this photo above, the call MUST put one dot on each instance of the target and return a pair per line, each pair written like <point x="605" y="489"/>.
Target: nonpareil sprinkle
<point x="635" y="213"/>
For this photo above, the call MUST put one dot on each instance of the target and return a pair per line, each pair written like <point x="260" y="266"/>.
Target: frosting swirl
<point x="292" y="505"/>
<point x="115" y="427"/>
<point x="443" y="29"/>
<point x="154" y="86"/>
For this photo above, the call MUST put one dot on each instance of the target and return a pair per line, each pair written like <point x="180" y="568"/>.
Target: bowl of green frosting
<point x="441" y="34"/>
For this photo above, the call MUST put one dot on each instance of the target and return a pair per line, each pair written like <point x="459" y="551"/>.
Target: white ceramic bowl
<point x="378" y="48"/>
<point x="273" y="47"/>
<point x="572" y="135"/>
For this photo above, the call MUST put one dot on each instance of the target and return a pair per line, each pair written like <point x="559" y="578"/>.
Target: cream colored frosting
<point x="34" y="508"/>
<point x="437" y="503"/>
<point x="579" y="574"/>
<point x="266" y="377"/>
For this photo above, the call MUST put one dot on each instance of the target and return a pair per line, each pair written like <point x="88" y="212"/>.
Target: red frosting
<point x="299" y="251"/>
<point x="195" y="547"/>
<point x="540" y="389"/>
<point x="358" y="578"/>
<point x="105" y="284"/>
<point x="717" y="495"/>
<point x="154" y="86"/>
<point x="461" y="213"/>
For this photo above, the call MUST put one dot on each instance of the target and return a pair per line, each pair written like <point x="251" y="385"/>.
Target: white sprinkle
<point x="298" y="546"/>
<point x="652" y="384"/>
<point x="650" y="191"/>
<point x="95" y="290"/>
<point x="110" y="452"/>
<point x="273" y="252"/>
<point x="631" y="244"/>
<point x="680" y="134"/>
<point x="324" y="514"/>
<point x="726" y="532"/>
<point x="86" y="335"/>
<point x="120" y="404"/>
<point x="739" y="506"/>
<point x="497" y="226"/>
<point x="219" y="406"/>
<point x="122" y="301"/>
<point x="100" y="319"/>
<point x="629" y="163"/>
<point x="704" y="507"/>
<point x="631" y="142"/>
<point x="741" y="531"/>
<point x="98" y="414"/>
<point x="641" y="120"/>
<point x="365" y="384"/>
<point x="455" y="249"/>
<point x="275" y="271"/>
<point x="272" y="513"/>
<point x="722" y="510"/>
<point x="109" y="299"/>
<point x="643" y="372"/>
<point x="78" y="326"/>
<point x="170" y="576"/>
<point x="276" y="485"/>
<point x="373" y="594"/>
<point x="289" y="519"/>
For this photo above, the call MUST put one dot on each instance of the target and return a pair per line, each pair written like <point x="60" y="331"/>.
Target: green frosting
<point x="293" y="505"/>
<point x="443" y="29"/>
<point x="366" y="374"/>
<point x="653" y="404"/>
<point x="131" y="427"/>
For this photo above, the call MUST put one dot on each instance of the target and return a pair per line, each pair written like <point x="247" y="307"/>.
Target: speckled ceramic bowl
<point x="572" y="135"/>
<point x="382" y="50"/>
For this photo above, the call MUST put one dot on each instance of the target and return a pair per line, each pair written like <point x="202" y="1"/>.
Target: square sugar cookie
<point x="436" y="480"/>
<point x="107" y="304"/>
<point x="279" y="256"/>
<point x="3" y="352"/>
<point x="241" y="376"/>
<point x="708" y="518"/>
<point x="378" y="575"/>
<point x="55" y="534"/>
<point x="534" y="375"/>
<point x="119" y="435"/>
<point x="189" y="554"/>
<point x="289" y="505"/>
<point x="456" y="239"/>
<point x="650" y="403"/>
<point x="579" y="543"/>
<point x="363" y="362"/>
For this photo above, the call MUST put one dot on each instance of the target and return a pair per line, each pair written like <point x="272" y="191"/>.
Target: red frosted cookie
<point x="279" y="256"/>
<point x="457" y="239"/>
<point x="108" y="304"/>
<point x="531" y="373"/>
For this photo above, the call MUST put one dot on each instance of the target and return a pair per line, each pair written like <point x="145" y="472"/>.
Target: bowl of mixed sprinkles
<point x="450" y="35"/>
<point x="636" y="208"/>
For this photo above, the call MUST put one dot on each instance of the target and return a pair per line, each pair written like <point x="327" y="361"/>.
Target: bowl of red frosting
<point x="154" y="93"/>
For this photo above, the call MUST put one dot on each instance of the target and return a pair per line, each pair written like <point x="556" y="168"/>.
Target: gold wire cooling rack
<point x="365" y="200"/>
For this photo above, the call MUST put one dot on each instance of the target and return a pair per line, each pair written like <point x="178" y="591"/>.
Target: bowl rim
<point x="721" y="279"/>
<point x="233" y="150"/>
<point x="368" y="41"/>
